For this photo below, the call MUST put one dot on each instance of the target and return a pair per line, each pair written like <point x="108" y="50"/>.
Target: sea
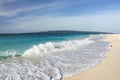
<point x="49" y="55"/>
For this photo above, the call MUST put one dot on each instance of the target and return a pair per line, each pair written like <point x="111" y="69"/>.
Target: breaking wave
<point x="7" y="54"/>
<point x="42" y="49"/>
<point x="57" y="60"/>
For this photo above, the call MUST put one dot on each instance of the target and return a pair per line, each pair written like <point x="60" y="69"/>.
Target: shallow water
<point x="18" y="44"/>
<point x="54" y="64"/>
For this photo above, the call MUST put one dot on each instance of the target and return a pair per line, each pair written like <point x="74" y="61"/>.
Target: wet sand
<point x="108" y="68"/>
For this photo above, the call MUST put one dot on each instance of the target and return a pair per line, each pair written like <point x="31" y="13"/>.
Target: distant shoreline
<point x="58" y="31"/>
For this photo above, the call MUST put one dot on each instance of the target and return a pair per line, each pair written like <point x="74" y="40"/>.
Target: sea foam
<point x="55" y="61"/>
<point x="42" y="49"/>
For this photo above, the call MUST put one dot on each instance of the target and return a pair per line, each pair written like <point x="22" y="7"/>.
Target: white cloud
<point x="99" y="22"/>
<point x="107" y="21"/>
<point x="6" y="1"/>
<point x="40" y="8"/>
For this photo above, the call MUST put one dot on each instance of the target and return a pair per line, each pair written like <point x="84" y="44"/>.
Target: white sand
<point x="109" y="68"/>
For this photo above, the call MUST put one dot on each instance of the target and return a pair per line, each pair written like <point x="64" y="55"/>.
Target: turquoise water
<point x="49" y="56"/>
<point x="19" y="43"/>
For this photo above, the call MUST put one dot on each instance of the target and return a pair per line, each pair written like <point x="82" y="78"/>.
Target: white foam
<point x="56" y="65"/>
<point x="27" y="70"/>
<point x="42" y="49"/>
<point x="6" y="53"/>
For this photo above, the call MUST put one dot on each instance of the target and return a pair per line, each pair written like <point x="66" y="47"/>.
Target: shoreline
<point x="108" y="68"/>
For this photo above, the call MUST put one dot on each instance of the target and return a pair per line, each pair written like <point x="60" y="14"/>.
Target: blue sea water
<point x="49" y="56"/>
<point x="19" y="43"/>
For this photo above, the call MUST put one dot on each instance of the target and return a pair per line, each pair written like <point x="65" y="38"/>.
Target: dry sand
<point x="109" y="68"/>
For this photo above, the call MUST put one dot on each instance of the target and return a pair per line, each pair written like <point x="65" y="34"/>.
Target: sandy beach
<point x="108" y="68"/>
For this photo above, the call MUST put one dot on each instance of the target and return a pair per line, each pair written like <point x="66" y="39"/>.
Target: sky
<point x="19" y="16"/>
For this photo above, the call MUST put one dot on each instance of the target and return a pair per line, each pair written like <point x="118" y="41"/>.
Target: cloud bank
<point x="31" y="16"/>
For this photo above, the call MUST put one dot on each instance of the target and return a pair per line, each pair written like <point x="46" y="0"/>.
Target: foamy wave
<point x="27" y="70"/>
<point x="8" y="53"/>
<point x="42" y="49"/>
<point x="100" y="36"/>
<point x="57" y="65"/>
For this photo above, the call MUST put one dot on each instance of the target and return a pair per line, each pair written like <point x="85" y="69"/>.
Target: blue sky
<point x="18" y="16"/>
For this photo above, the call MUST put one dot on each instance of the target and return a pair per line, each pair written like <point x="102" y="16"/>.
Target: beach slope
<point x="109" y="68"/>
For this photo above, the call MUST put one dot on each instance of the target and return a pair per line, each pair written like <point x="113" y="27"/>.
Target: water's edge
<point x="55" y="66"/>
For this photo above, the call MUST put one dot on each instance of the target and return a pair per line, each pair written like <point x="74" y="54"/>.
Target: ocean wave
<point x="71" y="57"/>
<point x="42" y="49"/>
<point x="7" y="53"/>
